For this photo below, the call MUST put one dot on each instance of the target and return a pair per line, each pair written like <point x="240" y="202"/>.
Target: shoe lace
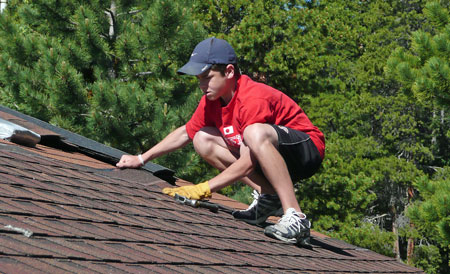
<point x="255" y="195"/>
<point x="293" y="219"/>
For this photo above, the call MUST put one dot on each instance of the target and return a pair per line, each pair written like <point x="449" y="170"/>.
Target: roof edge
<point x="90" y="147"/>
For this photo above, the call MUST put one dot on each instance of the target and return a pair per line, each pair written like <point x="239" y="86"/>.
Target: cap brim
<point x="193" y="68"/>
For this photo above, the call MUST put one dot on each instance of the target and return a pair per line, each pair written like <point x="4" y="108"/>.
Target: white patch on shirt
<point x="235" y="140"/>
<point x="228" y="130"/>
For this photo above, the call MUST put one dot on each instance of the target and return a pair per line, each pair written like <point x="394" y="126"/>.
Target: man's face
<point x="213" y="84"/>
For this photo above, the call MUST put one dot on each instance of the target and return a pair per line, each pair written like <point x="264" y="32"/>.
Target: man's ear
<point x="229" y="71"/>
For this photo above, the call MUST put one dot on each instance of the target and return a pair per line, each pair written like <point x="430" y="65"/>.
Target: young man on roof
<point x="249" y="131"/>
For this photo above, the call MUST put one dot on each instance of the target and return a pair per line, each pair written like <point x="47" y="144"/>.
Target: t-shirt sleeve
<point x="256" y="111"/>
<point x="198" y="120"/>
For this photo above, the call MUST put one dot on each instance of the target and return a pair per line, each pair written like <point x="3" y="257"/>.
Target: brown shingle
<point x="88" y="217"/>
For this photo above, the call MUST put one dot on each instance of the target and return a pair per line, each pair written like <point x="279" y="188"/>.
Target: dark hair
<point x="223" y="67"/>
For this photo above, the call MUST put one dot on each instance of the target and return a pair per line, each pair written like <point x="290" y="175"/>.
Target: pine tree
<point x="430" y="216"/>
<point x="36" y="74"/>
<point x="104" y="69"/>
<point x="422" y="72"/>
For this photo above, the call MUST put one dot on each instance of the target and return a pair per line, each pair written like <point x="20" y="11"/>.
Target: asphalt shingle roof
<point x="63" y="211"/>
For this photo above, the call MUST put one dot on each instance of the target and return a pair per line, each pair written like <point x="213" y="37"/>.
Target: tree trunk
<point x="434" y="131"/>
<point x="3" y="4"/>
<point x="112" y="16"/>
<point x="395" y="231"/>
<point x="410" y="248"/>
<point x="112" y="33"/>
<point x="411" y="245"/>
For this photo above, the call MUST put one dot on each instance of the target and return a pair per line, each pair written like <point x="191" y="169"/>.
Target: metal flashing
<point x="18" y="134"/>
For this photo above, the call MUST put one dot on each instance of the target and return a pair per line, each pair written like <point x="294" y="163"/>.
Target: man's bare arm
<point x="175" y="140"/>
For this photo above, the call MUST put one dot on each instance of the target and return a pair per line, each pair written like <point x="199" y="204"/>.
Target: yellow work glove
<point x="195" y="192"/>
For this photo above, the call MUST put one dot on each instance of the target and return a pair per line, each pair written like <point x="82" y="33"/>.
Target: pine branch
<point x="129" y="13"/>
<point x="137" y="75"/>
<point x="143" y="73"/>
<point x="374" y="219"/>
<point x="57" y="15"/>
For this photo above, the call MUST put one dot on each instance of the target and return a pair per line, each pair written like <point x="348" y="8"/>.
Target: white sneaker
<point x="292" y="228"/>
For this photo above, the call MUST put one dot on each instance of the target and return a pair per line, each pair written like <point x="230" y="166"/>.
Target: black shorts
<point x="299" y="152"/>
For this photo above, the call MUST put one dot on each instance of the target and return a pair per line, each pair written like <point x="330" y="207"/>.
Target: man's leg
<point x="262" y="139"/>
<point x="293" y="227"/>
<point x="209" y="144"/>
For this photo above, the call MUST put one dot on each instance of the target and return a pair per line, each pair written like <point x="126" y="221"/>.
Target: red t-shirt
<point x="252" y="103"/>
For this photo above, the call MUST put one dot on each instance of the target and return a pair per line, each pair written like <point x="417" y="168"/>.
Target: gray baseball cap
<point x="208" y="52"/>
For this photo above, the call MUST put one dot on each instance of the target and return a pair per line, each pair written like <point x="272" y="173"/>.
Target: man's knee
<point x="205" y="140"/>
<point x="258" y="135"/>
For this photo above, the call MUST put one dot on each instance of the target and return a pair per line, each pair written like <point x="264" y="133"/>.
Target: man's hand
<point x="129" y="161"/>
<point x="195" y="192"/>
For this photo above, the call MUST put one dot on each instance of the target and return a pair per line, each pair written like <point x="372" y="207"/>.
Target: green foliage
<point x="146" y="102"/>
<point x="328" y="210"/>
<point x="369" y="236"/>
<point x="424" y="69"/>
<point x="423" y="72"/>
<point x="428" y="258"/>
<point x="37" y="76"/>
<point x="239" y="192"/>
<point x="430" y="216"/>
